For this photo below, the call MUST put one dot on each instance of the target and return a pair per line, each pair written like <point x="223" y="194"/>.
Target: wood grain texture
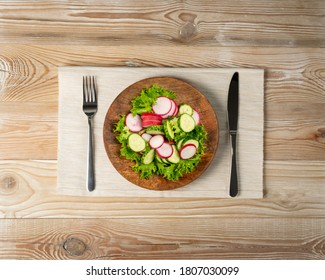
<point x="286" y="38"/>
<point x="254" y="23"/>
<point x="29" y="72"/>
<point x="33" y="125"/>
<point x="214" y="238"/>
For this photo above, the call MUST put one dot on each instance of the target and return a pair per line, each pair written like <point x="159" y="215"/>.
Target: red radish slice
<point x="156" y="141"/>
<point x="134" y="123"/>
<point x="187" y="151"/>
<point x="146" y="136"/>
<point x="196" y="117"/>
<point x="152" y="119"/>
<point x="162" y="105"/>
<point x="150" y="123"/>
<point x="165" y="151"/>
<point x="156" y="118"/>
<point x="171" y="111"/>
<point x="176" y="109"/>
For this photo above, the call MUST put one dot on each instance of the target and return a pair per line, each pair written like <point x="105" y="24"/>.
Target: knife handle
<point x="233" y="175"/>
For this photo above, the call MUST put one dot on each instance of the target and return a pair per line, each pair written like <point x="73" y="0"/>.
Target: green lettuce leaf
<point x="145" y="170"/>
<point x="147" y="98"/>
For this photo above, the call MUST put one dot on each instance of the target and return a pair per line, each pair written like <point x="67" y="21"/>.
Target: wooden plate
<point x="186" y="93"/>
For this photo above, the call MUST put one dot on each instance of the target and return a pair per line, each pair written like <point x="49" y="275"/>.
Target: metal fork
<point x="90" y="108"/>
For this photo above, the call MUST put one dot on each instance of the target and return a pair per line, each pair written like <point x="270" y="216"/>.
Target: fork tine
<point x="94" y="89"/>
<point x="90" y="92"/>
<point x="84" y="90"/>
<point x="90" y="89"/>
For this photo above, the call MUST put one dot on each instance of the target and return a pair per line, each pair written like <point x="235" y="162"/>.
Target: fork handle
<point x="233" y="175"/>
<point x="91" y="170"/>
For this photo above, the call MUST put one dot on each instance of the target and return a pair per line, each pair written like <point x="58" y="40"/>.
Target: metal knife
<point x="233" y="102"/>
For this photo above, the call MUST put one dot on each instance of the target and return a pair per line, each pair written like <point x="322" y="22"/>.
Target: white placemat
<point x="213" y="83"/>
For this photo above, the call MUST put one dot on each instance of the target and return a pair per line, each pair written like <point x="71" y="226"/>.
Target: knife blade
<point x="232" y="106"/>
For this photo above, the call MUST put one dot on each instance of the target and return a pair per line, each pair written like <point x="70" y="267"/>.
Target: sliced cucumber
<point x="174" y="158"/>
<point x="149" y="157"/>
<point x="136" y="142"/>
<point x="158" y="158"/>
<point x="192" y="141"/>
<point x="186" y="123"/>
<point x="180" y="144"/>
<point x="185" y="109"/>
<point x="161" y="160"/>
<point x="169" y="133"/>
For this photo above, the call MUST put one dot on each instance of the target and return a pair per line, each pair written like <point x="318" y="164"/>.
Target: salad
<point x="160" y="136"/>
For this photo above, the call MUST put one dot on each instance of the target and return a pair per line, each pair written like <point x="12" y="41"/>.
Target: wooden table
<point x="286" y="38"/>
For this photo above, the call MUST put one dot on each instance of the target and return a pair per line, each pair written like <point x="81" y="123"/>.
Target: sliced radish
<point x="176" y="109"/>
<point x="151" y="123"/>
<point x="156" y="141"/>
<point x="151" y="117"/>
<point x="171" y="111"/>
<point x="148" y="118"/>
<point x="146" y="136"/>
<point x="196" y="117"/>
<point x="187" y="151"/>
<point x="134" y="123"/>
<point x="165" y="151"/>
<point x="162" y="106"/>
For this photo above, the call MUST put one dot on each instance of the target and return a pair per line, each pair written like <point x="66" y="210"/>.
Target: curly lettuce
<point x="147" y="97"/>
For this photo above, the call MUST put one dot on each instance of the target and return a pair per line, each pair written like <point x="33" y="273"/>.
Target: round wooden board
<point x="186" y="93"/>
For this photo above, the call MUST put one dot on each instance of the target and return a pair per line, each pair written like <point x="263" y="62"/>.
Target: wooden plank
<point x="295" y="130"/>
<point x="29" y="73"/>
<point x="39" y="59"/>
<point x="28" y="130"/>
<point x="218" y="23"/>
<point x="292" y="189"/>
<point x="190" y="238"/>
